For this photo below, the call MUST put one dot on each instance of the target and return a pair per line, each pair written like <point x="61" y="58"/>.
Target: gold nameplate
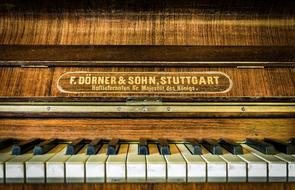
<point x="136" y="83"/>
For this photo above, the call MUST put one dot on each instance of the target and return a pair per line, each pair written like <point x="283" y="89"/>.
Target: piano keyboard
<point x="119" y="161"/>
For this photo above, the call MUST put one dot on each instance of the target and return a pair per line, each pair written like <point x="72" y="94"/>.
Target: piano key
<point x="44" y="146"/>
<point x="261" y="146"/>
<point x="281" y="146"/>
<point x="35" y="167"/>
<point x="176" y="165"/>
<point x="113" y="147"/>
<point x="196" y="166"/>
<point x="116" y="165"/>
<point x="5" y="155"/>
<point x="196" y="146"/>
<point x="75" y="171"/>
<point x="156" y="165"/>
<point x="24" y="146"/>
<point x="213" y="146"/>
<point x="277" y="169"/>
<point x="4" y="143"/>
<point x="231" y="146"/>
<point x="216" y="166"/>
<point x="236" y="167"/>
<point x="290" y="160"/>
<point x="55" y="167"/>
<point x="95" y="166"/>
<point x="143" y="147"/>
<point x="164" y="147"/>
<point x="256" y="167"/>
<point x="75" y="146"/>
<point x="15" y="167"/>
<point x="136" y="165"/>
<point x="94" y="146"/>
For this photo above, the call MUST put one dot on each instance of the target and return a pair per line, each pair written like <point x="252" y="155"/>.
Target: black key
<point x="231" y="146"/>
<point x="281" y="146"/>
<point x="197" y="149"/>
<point x="213" y="146"/>
<point x="291" y="141"/>
<point x="4" y="143"/>
<point x="143" y="147"/>
<point x="113" y="147"/>
<point x="44" y="146"/>
<point x="24" y="146"/>
<point x="94" y="146"/>
<point x="164" y="147"/>
<point x="75" y="146"/>
<point x="261" y="146"/>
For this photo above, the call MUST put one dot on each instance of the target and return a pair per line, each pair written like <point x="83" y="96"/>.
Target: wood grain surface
<point x="146" y="55"/>
<point x="133" y="129"/>
<point x="42" y="82"/>
<point x="168" y="186"/>
<point x="148" y="22"/>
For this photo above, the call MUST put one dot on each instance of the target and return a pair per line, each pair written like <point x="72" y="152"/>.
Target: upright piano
<point x="151" y="94"/>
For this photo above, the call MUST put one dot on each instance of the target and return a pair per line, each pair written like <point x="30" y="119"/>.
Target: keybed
<point x="152" y="161"/>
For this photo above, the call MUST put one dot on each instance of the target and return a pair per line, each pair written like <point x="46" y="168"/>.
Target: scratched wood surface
<point x="42" y="82"/>
<point x="148" y="22"/>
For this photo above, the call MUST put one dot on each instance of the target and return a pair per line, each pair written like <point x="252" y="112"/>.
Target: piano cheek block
<point x="15" y="173"/>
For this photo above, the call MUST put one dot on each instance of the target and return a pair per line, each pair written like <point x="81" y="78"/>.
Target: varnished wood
<point x="42" y="82"/>
<point x="144" y="55"/>
<point x="172" y="186"/>
<point x="130" y="22"/>
<point x="173" y="128"/>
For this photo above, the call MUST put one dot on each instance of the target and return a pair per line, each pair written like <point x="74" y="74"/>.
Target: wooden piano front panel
<point x="133" y="129"/>
<point x="41" y="83"/>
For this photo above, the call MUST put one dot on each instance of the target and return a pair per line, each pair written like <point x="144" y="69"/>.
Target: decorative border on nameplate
<point x="151" y="83"/>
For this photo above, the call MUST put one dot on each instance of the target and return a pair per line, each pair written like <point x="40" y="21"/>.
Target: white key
<point x="216" y="167"/>
<point x="116" y="165"/>
<point x="55" y="167"/>
<point x="35" y="167"/>
<point x="136" y="165"/>
<point x="291" y="165"/>
<point x="257" y="168"/>
<point x="196" y="166"/>
<point x="156" y="165"/>
<point x="75" y="170"/>
<point x="4" y="156"/>
<point x="277" y="168"/>
<point x="15" y="168"/>
<point x="95" y="166"/>
<point x="236" y="167"/>
<point x="176" y="165"/>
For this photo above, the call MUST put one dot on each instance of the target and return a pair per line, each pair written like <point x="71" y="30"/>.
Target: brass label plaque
<point x="137" y="83"/>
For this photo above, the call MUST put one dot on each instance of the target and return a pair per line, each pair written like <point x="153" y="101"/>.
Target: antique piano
<point x="151" y="94"/>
